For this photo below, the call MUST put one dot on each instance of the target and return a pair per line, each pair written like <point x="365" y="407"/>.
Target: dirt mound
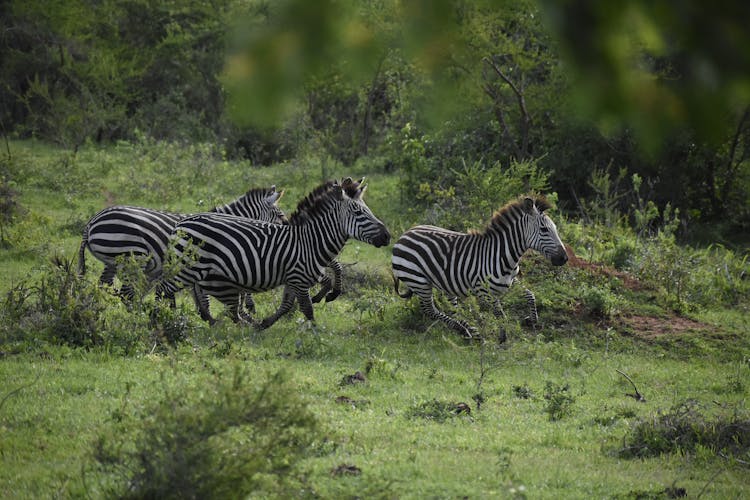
<point x="648" y="327"/>
<point x="630" y="282"/>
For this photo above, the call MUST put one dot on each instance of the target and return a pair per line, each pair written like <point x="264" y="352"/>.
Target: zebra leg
<point x="325" y="288"/>
<point x="249" y="302"/>
<point x="108" y="275"/>
<point x="201" y="302"/>
<point x="338" y="280"/>
<point x="427" y="305"/>
<point x="487" y="300"/>
<point x="533" y="318"/>
<point x="305" y="304"/>
<point x="287" y="302"/>
<point x="232" y="306"/>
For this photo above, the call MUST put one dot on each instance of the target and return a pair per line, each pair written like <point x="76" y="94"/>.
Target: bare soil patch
<point x="651" y="327"/>
<point x="648" y="327"/>
<point x="629" y="281"/>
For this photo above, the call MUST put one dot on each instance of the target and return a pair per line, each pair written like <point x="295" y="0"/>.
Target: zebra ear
<point x="528" y="205"/>
<point x="273" y="196"/>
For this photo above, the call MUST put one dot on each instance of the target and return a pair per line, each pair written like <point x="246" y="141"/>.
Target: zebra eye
<point x="544" y="229"/>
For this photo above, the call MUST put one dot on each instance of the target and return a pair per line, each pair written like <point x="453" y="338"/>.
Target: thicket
<point x="495" y="95"/>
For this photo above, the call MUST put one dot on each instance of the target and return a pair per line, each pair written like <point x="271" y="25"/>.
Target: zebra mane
<point x="318" y="200"/>
<point x="513" y="210"/>
<point x="321" y="198"/>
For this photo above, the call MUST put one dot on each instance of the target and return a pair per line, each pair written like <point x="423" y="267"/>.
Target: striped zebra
<point x="479" y="263"/>
<point x="144" y="233"/>
<point x="254" y="256"/>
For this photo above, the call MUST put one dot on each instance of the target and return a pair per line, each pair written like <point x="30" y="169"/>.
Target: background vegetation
<point x="632" y="118"/>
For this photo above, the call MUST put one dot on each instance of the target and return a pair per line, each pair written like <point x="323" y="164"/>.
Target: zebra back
<point x="144" y="232"/>
<point x="258" y="204"/>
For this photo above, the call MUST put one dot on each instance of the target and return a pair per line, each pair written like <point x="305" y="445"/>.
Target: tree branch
<point x="637" y="396"/>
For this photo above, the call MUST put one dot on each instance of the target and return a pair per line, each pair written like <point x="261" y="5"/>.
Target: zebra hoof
<point x="529" y="322"/>
<point x="471" y="333"/>
<point x="331" y="296"/>
<point x="502" y="336"/>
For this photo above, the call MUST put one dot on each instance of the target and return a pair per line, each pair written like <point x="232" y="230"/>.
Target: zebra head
<point x="541" y="232"/>
<point x="357" y="219"/>
<point x="259" y="204"/>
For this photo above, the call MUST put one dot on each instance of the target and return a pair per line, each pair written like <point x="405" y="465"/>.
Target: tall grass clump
<point x="226" y="436"/>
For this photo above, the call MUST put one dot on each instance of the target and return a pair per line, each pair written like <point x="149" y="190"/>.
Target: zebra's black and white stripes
<point x="144" y="233"/>
<point x="255" y="256"/>
<point x="480" y="263"/>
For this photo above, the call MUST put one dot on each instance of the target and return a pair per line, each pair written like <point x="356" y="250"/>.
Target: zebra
<point x="480" y="263"/>
<point x="143" y="232"/>
<point x="255" y="256"/>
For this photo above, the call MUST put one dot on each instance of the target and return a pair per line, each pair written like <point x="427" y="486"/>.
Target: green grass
<point x="396" y="428"/>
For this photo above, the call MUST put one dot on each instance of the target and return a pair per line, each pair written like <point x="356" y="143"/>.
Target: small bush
<point x="522" y="392"/>
<point x="559" y="400"/>
<point x="439" y="411"/>
<point x="226" y="437"/>
<point x="58" y="307"/>
<point x="598" y="302"/>
<point x="685" y="429"/>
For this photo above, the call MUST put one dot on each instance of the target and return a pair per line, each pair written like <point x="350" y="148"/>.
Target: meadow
<point x="633" y="385"/>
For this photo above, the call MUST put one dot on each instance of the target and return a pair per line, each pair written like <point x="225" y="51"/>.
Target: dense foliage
<point x="424" y="89"/>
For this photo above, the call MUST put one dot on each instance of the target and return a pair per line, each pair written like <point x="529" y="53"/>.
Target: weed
<point x="599" y="302"/>
<point x="559" y="400"/>
<point x="522" y="392"/>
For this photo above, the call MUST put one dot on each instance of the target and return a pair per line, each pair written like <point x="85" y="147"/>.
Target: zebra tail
<point x="406" y="295"/>
<point x="82" y="255"/>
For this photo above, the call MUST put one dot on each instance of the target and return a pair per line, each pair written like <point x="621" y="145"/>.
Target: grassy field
<point x="377" y="402"/>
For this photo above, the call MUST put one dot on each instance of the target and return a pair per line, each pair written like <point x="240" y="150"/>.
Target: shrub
<point x="61" y="308"/>
<point x="58" y="307"/>
<point x="598" y="302"/>
<point x="559" y="400"/>
<point x="439" y="411"/>
<point x="475" y="191"/>
<point x="223" y="437"/>
<point x="684" y="428"/>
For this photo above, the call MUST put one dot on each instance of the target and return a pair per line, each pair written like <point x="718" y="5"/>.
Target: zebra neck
<point x="509" y="241"/>
<point x="323" y="237"/>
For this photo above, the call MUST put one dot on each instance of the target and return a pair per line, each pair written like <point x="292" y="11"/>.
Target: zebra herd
<point x="249" y="246"/>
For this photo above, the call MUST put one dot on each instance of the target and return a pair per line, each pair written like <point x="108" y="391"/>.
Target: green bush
<point x="599" y="302"/>
<point x="225" y="436"/>
<point x="559" y="400"/>
<point x="57" y="307"/>
<point x="685" y="428"/>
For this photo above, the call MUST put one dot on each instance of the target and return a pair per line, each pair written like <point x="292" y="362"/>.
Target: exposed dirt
<point x="648" y="327"/>
<point x="630" y="282"/>
<point x="651" y="327"/>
